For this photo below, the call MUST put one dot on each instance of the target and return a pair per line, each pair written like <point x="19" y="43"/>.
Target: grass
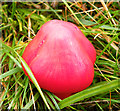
<point x="98" y="21"/>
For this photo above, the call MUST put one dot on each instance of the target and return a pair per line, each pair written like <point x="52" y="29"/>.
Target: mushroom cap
<point x="61" y="58"/>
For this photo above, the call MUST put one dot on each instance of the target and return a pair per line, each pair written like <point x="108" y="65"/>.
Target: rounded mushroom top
<point x="61" y="58"/>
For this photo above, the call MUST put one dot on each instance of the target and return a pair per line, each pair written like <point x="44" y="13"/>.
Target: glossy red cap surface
<point x="61" y="58"/>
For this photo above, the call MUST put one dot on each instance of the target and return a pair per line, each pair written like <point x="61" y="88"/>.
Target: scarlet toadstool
<point x="61" y="58"/>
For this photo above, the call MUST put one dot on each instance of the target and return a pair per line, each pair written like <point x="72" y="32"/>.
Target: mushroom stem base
<point x="63" y="95"/>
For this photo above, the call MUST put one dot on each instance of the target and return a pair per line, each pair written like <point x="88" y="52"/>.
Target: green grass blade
<point x="11" y="64"/>
<point x="3" y="97"/>
<point x="29" y="73"/>
<point x="99" y="106"/>
<point x="16" y="96"/>
<point x="54" y="11"/>
<point x="30" y="103"/>
<point x="27" y="12"/>
<point x="19" y="65"/>
<point x="13" y="9"/>
<point x="100" y="89"/>
<point x="109" y="27"/>
<point x="112" y="100"/>
<point x="10" y="72"/>
<point x="106" y="47"/>
<point x="49" y="101"/>
<point x="73" y="13"/>
<point x="34" y="80"/>
<point x="6" y="48"/>
<point x="25" y="89"/>
<point x="54" y="101"/>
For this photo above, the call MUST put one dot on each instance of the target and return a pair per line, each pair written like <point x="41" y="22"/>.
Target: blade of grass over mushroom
<point x="34" y="80"/>
<point x="56" y="97"/>
<point x="101" y="88"/>
<point x="29" y="72"/>
<point x="73" y="13"/>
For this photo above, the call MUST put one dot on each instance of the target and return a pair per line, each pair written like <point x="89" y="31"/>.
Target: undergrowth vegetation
<point x="99" y="21"/>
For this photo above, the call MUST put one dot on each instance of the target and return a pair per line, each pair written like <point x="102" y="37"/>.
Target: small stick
<point x="29" y="24"/>
<point x="66" y="13"/>
<point x="29" y="27"/>
<point x="32" y="96"/>
<point x="110" y="103"/>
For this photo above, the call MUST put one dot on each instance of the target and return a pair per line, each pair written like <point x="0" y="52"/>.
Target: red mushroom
<point x="61" y="58"/>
